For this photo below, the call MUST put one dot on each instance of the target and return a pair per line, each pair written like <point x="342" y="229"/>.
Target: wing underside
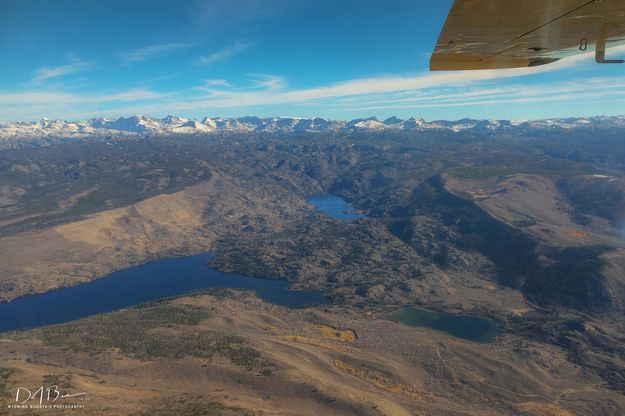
<point x="488" y="34"/>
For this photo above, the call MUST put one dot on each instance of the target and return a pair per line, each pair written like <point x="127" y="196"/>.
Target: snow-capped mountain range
<point x="144" y="125"/>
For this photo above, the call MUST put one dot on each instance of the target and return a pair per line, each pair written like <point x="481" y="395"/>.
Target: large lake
<point x="470" y="327"/>
<point x="129" y="287"/>
<point x="334" y="207"/>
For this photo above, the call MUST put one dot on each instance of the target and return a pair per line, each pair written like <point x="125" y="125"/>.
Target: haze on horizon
<point x="268" y="58"/>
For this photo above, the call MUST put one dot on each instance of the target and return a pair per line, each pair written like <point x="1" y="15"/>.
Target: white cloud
<point x="152" y="51"/>
<point x="33" y="105"/>
<point x="268" y="82"/>
<point x="216" y="83"/>
<point x="211" y="85"/>
<point x="428" y="90"/>
<point x="222" y="54"/>
<point x="45" y="73"/>
<point x="137" y="94"/>
<point x="427" y="83"/>
<point x="481" y="95"/>
<point x="547" y="94"/>
<point x="34" y="98"/>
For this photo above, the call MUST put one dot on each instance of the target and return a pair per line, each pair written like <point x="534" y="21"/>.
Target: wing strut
<point x="600" y="49"/>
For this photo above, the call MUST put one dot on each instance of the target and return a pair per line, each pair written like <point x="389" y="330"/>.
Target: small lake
<point x="469" y="327"/>
<point x="136" y="285"/>
<point x="334" y="207"/>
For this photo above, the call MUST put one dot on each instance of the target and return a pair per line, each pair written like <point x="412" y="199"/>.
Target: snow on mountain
<point x="370" y="123"/>
<point x="46" y="131"/>
<point x="414" y="124"/>
<point x="393" y="121"/>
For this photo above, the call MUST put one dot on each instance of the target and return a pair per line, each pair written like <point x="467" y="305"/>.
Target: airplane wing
<point x="489" y="34"/>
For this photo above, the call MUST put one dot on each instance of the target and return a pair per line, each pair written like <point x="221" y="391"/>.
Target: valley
<point x="227" y="352"/>
<point x="516" y="223"/>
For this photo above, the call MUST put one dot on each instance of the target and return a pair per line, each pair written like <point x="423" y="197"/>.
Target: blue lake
<point x="470" y="327"/>
<point x="129" y="287"/>
<point x="334" y="207"/>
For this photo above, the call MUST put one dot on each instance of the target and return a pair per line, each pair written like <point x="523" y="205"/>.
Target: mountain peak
<point x="140" y="125"/>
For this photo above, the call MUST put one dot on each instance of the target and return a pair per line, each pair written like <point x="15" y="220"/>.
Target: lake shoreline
<point x="136" y="285"/>
<point x="465" y="326"/>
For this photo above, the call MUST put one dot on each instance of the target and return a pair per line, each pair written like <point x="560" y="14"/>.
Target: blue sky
<point x="339" y="59"/>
